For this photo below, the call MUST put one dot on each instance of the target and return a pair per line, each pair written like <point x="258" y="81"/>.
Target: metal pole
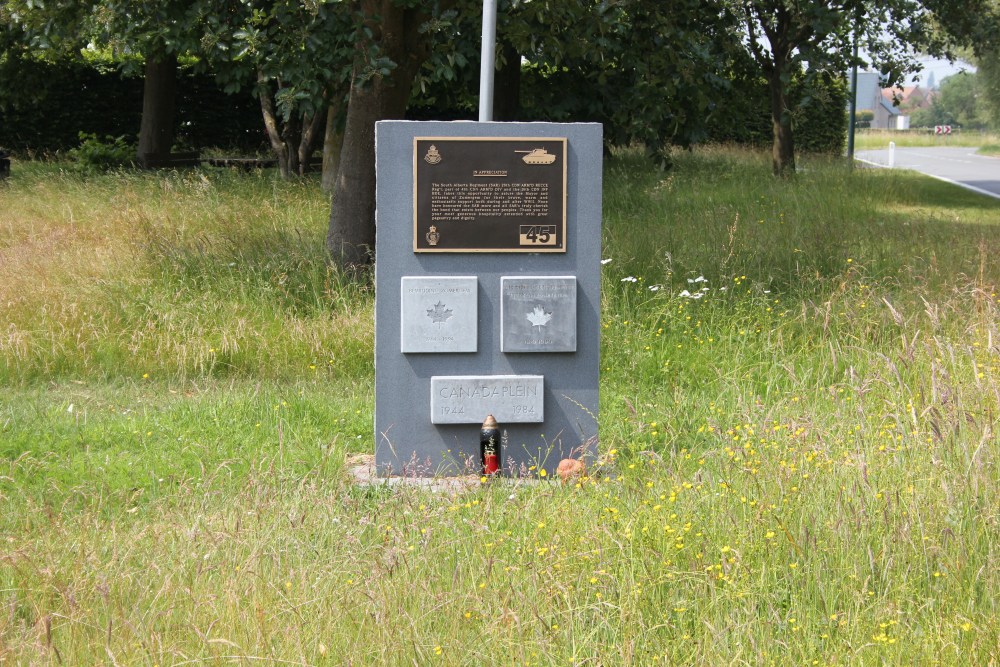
<point x="854" y="105"/>
<point x="488" y="64"/>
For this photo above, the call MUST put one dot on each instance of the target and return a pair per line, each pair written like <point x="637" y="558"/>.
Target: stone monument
<point x="487" y="294"/>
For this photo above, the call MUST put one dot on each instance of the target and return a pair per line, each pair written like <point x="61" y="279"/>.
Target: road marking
<point x="940" y="178"/>
<point x="966" y="186"/>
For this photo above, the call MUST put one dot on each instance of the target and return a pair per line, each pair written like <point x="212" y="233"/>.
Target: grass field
<point x="800" y="403"/>
<point x="919" y="137"/>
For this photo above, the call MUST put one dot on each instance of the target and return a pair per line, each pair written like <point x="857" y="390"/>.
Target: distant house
<point x="910" y="98"/>
<point x="868" y="97"/>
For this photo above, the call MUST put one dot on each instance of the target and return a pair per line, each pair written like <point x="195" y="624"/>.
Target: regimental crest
<point x="538" y="317"/>
<point x="432" y="156"/>
<point x="439" y="314"/>
<point x="433" y="235"/>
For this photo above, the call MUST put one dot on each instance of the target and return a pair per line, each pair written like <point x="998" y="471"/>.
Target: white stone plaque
<point x="468" y="399"/>
<point x="438" y="314"/>
<point x="538" y="314"/>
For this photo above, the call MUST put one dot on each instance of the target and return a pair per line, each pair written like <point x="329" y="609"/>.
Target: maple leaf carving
<point x="439" y="313"/>
<point x="538" y="317"/>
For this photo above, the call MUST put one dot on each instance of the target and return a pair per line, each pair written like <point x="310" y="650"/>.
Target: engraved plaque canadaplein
<point x="438" y="314"/>
<point x="538" y="313"/>
<point x="489" y="194"/>
<point x="468" y="399"/>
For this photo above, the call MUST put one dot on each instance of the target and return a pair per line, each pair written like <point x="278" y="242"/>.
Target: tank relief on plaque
<point x="538" y="314"/>
<point x="438" y="314"/>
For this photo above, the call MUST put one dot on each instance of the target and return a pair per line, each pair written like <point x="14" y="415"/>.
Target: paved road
<point x="957" y="165"/>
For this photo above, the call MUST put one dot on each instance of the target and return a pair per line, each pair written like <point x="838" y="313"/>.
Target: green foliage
<point x="153" y="28"/>
<point x="95" y="154"/>
<point x="651" y="74"/>
<point x="958" y="102"/>
<point x="299" y="53"/>
<point x="988" y="77"/>
<point x="784" y="35"/>
<point x="863" y="119"/>
<point x="820" y="119"/>
<point x="818" y="116"/>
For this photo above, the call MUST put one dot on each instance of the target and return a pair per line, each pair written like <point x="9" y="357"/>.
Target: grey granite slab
<point x="538" y="313"/>
<point x="438" y="314"/>
<point x="469" y="399"/>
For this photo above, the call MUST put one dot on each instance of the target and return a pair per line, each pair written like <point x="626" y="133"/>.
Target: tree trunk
<point x="312" y="126"/>
<point x="271" y="126"/>
<point x="783" y="146"/>
<point x="507" y="103"/>
<point x="156" y="129"/>
<point x="290" y="134"/>
<point x="351" y="235"/>
<point x="351" y="238"/>
<point x="333" y="142"/>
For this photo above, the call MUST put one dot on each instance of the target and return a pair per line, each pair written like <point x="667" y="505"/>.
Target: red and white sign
<point x="942" y="129"/>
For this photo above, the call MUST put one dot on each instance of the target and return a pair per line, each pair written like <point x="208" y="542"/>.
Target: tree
<point x="291" y="53"/>
<point x="985" y="47"/>
<point x="648" y="71"/>
<point x="782" y="35"/>
<point x="160" y="31"/>
<point x="652" y="72"/>
<point x="393" y="41"/>
<point x="297" y="58"/>
<point x="974" y="32"/>
<point x="958" y="102"/>
<point x="989" y="82"/>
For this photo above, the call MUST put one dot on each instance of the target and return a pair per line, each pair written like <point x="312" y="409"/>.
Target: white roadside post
<point x="487" y="65"/>
<point x="892" y="154"/>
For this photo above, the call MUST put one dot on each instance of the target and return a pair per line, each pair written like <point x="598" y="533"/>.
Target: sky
<point x="941" y="68"/>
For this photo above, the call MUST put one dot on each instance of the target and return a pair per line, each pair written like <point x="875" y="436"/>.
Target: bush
<point x="819" y="117"/>
<point x="94" y="154"/>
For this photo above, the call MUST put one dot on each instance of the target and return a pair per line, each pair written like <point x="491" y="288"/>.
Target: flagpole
<point x="487" y="64"/>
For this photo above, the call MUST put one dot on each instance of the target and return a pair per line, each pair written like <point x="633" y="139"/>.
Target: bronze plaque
<point x="483" y="194"/>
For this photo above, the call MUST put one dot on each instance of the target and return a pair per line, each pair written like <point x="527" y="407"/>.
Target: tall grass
<point x="800" y="399"/>
<point x="186" y="275"/>
<point x="920" y="137"/>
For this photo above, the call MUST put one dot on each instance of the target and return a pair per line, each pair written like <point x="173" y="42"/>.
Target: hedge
<point x="44" y="106"/>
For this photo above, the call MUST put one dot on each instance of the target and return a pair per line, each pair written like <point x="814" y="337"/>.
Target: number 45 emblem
<point x="538" y="235"/>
